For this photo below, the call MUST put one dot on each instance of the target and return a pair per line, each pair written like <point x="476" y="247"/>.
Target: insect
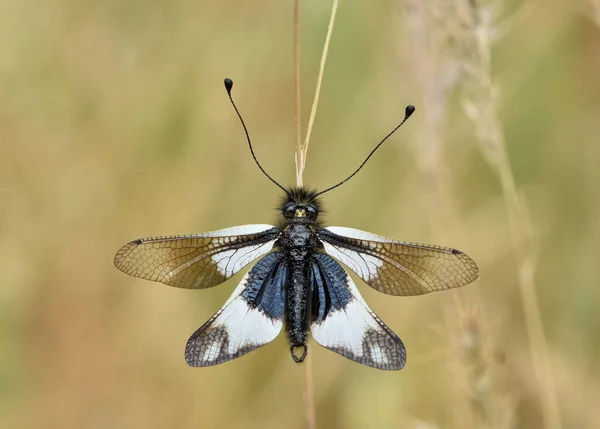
<point x="297" y="282"/>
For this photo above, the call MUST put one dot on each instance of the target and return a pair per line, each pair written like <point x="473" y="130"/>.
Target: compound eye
<point x="289" y="208"/>
<point x="312" y="210"/>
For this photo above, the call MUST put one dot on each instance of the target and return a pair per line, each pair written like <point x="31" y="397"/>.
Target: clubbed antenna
<point x="410" y="109"/>
<point x="228" y="86"/>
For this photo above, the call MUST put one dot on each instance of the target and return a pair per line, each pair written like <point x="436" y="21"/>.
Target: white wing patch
<point x="344" y="328"/>
<point x="355" y="331"/>
<point x="231" y="261"/>
<point x="397" y="267"/>
<point x="237" y="230"/>
<point x="236" y="329"/>
<point x="364" y="265"/>
<point x="358" y="234"/>
<point x="196" y="260"/>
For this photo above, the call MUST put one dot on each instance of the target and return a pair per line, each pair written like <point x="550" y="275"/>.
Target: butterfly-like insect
<point x="298" y="282"/>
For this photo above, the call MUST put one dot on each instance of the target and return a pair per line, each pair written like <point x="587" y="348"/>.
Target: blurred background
<point x="114" y="125"/>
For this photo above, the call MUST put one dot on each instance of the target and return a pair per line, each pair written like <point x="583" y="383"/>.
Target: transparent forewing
<point x="251" y="317"/>
<point x="398" y="268"/>
<point x="196" y="261"/>
<point x="343" y="322"/>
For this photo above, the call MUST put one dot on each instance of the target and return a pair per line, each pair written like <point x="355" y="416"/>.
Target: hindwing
<point x="343" y="322"/>
<point x="251" y="317"/>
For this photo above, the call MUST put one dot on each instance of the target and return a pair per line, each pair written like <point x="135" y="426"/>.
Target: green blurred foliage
<point x="114" y="124"/>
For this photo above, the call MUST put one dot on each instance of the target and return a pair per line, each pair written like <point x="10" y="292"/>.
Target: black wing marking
<point x="398" y="268"/>
<point x="196" y="261"/>
<point x="343" y="322"/>
<point x="251" y="317"/>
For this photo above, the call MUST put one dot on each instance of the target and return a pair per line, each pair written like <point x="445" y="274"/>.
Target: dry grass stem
<point x="438" y="74"/>
<point x="309" y="396"/>
<point x="301" y="151"/>
<point x="481" y="106"/>
<point x="479" y="370"/>
<point x="452" y="46"/>
<point x="596" y="10"/>
<point x="301" y="162"/>
<point x="297" y="101"/>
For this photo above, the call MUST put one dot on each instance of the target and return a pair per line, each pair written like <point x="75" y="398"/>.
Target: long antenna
<point x="410" y="109"/>
<point x="228" y="86"/>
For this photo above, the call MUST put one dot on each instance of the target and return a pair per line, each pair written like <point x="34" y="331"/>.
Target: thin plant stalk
<point x="481" y="106"/>
<point x="438" y="76"/>
<point x="443" y="58"/>
<point x="309" y="397"/>
<point x="595" y="4"/>
<point x="301" y="162"/>
<point x="300" y="158"/>
<point x="297" y="101"/>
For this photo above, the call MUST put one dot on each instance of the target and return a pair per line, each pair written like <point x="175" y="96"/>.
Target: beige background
<point x="114" y="124"/>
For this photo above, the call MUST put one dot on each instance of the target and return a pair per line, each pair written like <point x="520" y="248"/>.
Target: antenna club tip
<point x="410" y="109"/>
<point x="228" y="84"/>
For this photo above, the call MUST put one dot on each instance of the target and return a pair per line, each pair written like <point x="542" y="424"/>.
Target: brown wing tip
<point x="472" y="270"/>
<point x="471" y="265"/>
<point x="123" y="252"/>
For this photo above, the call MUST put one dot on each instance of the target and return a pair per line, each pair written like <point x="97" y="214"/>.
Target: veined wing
<point x="251" y="317"/>
<point x="396" y="267"/>
<point x="196" y="261"/>
<point x="343" y="322"/>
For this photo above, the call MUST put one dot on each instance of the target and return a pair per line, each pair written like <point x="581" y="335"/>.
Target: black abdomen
<point x="299" y="251"/>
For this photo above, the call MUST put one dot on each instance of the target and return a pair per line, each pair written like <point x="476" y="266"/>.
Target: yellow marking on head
<point x="300" y="213"/>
